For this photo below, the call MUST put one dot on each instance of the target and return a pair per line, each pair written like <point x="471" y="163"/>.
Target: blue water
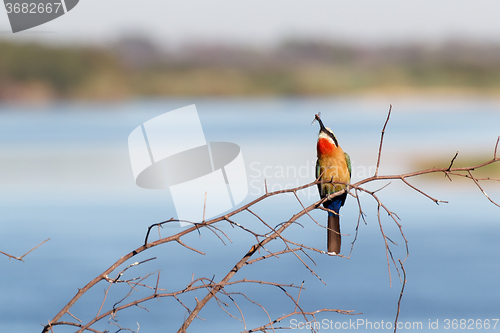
<point x="66" y="176"/>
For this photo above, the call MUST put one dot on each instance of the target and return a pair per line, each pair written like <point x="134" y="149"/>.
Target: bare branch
<point x="382" y="140"/>
<point x="496" y="146"/>
<point x="69" y="323"/>
<point x="189" y="247"/>
<point x="204" y="206"/>
<point x="452" y="160"/>
<point x="24" y="255"/>
<point x="311" y="313"/>
<point x="400" y="295"/>
<point x="437" y="201"/>
<point x="480" y="188"/>
<point x="74" y="317"/>
<point x="274" y="254"/>
<point x="275" y="231"/>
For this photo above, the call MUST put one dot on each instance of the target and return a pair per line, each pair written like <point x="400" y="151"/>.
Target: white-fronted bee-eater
<point x="333" y="166"/>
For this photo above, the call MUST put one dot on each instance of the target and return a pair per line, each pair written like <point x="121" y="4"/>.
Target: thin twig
<point x="382" y="140"/>
<point x="436" y="201"/>
<point x="496" y="146"/>
<point x="452" y="160"/>
<point x="74" y="317"/>
<point x="189" y="247"/>
<point x="24" y="255"/>
<point x="204" y="206"/>
<point x="400" y="295"/>
<point x="481" y="189"/>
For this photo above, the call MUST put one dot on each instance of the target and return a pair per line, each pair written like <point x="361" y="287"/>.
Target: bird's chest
<point x="333" y="167"/>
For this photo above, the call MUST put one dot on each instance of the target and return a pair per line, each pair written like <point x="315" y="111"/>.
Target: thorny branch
<point x="218" y="290"/>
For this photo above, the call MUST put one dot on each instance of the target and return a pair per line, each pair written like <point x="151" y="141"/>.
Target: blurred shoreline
<point x="135" y="67"/>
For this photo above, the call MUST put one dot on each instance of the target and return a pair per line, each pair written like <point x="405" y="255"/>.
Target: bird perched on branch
<point x="333" y="167"/>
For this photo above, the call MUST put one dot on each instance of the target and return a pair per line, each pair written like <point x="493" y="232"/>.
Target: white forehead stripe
<point x="323" y="135"/>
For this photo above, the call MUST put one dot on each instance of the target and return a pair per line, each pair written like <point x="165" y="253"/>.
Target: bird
<point x="333" y="165"/>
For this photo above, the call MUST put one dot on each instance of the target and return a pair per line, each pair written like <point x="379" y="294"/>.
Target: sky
<point x="265" y="22"/>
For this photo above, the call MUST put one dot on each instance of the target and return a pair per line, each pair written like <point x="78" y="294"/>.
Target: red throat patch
<point x="325" y="147"/>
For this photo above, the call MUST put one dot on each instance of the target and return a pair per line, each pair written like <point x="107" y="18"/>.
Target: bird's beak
<point x="322" y="127"/>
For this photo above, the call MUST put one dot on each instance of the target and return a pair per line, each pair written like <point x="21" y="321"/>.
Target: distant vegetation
<point x="137" y="68"/>
<point x="491" y="170"/>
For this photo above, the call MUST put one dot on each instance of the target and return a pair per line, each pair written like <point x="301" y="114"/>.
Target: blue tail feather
<point x="335" y="205"/>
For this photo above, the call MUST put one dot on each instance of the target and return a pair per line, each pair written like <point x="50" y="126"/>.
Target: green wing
<point x="348" y="161"/>
<point x="321" y="188"/>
